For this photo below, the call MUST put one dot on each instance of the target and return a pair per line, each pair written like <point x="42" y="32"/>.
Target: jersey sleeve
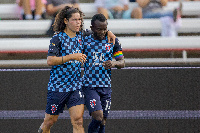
<point x="87" y="32"/>
<point x="117" y="50"/>
<point x="54" y="46"/>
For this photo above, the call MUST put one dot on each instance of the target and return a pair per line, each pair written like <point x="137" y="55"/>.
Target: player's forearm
<point x="119" y="63"/>
<point x="76" y="5"/>
<point x="164" y="2"/>
<point x="51" y="10"/>
<point x="53" y="60"/>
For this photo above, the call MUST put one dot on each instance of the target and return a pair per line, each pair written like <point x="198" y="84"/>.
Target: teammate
<point x="65" y="56"/>
<point x="97" y="72"/>
<point x="65" y="83"/>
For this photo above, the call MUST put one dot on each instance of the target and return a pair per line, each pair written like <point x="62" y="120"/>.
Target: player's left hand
<point x="108" y="64"/>
<point x="111" y="37"/>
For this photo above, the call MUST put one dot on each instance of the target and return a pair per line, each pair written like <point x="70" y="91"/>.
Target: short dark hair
<point x="66" y="12"/>
<point x="99" y="17"/>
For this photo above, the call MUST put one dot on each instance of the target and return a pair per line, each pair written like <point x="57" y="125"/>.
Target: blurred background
<point x="159" y="87"/>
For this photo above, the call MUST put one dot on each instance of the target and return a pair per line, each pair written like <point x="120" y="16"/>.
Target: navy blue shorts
<point x="98" y="98"/>
<point x="56" y="101"/>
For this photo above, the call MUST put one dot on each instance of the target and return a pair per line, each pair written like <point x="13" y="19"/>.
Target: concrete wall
<point x="133" y="89"/>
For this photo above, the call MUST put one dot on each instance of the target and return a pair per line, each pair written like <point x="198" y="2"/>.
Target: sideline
<point x="115" y="114"/>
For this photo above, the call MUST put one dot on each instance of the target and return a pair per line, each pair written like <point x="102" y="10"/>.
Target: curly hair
<point x="66" y="12"/>
<point x="99" y="17"/>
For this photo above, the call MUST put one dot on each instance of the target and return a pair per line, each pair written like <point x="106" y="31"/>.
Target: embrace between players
<point x="68" y="50"/>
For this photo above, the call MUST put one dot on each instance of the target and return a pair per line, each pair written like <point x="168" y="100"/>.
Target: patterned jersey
<point x="65" y="77"/>
<point x="95" y="75"/>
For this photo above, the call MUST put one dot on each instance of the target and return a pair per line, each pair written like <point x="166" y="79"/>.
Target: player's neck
<point x="98" y="39"/>
<point x="70" y="33"/>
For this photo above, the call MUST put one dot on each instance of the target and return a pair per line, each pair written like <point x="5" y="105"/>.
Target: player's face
<point x="74" y="23"/>
<point x="99" y="28"/>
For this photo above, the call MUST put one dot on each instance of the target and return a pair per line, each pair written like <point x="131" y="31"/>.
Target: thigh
<point x="76" y="98"/>
<point x="76" y="112"/>
<point x="55" y="104"/>
<point x="106" y="100"/>
<point x="92" y="99"/>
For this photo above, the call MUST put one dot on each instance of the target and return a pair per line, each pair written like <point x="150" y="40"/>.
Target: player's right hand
<point x="80" y="57"/>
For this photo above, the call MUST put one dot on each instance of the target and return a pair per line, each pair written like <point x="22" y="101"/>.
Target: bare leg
<point x="76" y="114"/>
<point x="38" y="9"/>
<point x="49" y="120"/>
<point x="137" y="13"/>
<point x="27" y="9"/>
<point x="103" y="11"/>
<point x="102" y="126"/>
<point x="97" y="117"/>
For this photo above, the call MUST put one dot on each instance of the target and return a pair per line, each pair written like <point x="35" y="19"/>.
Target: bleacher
<point x="190" y="8"/>
<point x="11" y="27"/>
<point x="120" y="26"/>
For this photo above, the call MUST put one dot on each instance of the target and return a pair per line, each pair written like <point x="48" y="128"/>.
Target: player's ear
<point x="91" y="27"/>
<point x="65" y="21"/>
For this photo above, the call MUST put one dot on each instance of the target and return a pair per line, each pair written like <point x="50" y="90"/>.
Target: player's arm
<point x="54" y="60"/>
<point x="51" y="9"/>
<point x="119" y="63"/>
<point x="54" y="56"/>
<point x="109" y="34"/>
<point x="111" y="37"/>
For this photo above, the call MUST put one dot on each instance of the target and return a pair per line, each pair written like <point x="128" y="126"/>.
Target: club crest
<point x="107" y="46"/>
<point x="93" y="103"/>
<point x="80" y="42"/>
<point x="53" y="108"/>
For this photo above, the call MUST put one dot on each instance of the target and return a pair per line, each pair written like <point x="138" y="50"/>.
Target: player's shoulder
<point x="89" y="38"/>
<point x="55" y="39"/>
<point x="117" y="42"/>
<point x="116" y="39"/>
<point x="56" y="35"/>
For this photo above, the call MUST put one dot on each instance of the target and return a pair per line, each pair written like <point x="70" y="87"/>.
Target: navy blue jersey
<point x="65" y="77"/>
<point x="95" y="74"/>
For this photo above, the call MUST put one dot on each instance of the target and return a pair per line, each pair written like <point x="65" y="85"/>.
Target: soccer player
<point x="65" y="83"/>
<point x="97" y="72"/>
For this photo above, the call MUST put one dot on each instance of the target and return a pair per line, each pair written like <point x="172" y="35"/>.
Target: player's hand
<point x="111" y="37"/>
<point x="79" y="57"/>
<point x="108" y="64"/>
